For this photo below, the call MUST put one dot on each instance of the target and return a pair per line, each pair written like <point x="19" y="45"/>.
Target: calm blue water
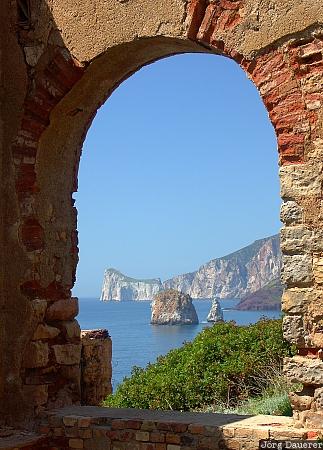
<point x="136" y="342"/>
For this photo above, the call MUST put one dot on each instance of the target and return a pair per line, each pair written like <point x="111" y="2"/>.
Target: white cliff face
<point x="119" y="287"/>
<point x="216" y="313"/>
<point x="235" y="275"/>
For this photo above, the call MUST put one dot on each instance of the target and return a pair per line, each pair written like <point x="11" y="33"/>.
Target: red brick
<point x="312" y="435"/>
<point x="160" y="447"/>
<point x="118" y="424"/>
<point x="290" y="139"/>
<point x="113" y="435"/>
<point x="196" y="429"/>
<point x="275" y="61"/>
<point x="227" y="20"/>
<point x="133" y="424"/>
<point x="26" y="178"/>
<point x="147" y="446"/>
<point x="195" y="13"/>
<point x="32" y="235"/>
<point x="156" y="436"/>
<point x="172" y="438"/>
<point x="230" y="4"/>
<point x="34" y="127"/>
<point x="127" y="435"/>
<point x="207" y="25"/>
<point x="172" y="426"/>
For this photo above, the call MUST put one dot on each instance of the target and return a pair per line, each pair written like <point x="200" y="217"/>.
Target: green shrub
<point x="222" y="365"/>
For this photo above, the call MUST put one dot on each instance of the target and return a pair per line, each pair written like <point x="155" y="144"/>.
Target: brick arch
<point x="61" y="99"/>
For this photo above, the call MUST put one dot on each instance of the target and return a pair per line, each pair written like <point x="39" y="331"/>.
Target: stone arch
<point x="70" y="71"/>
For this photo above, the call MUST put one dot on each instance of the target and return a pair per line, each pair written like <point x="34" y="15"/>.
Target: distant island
<point x="251" y="274"/>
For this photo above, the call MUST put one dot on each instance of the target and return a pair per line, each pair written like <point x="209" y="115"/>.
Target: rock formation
<point x="119" y="287"/>
<point x="267" y="298"/>
<point x="172" y="307"/>
<point x="234" y="275"/>
<point x="215" y="314"/>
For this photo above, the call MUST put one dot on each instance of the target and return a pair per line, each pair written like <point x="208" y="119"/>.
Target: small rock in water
<point x="172" y="307"/>
<point x="215" y="314"/>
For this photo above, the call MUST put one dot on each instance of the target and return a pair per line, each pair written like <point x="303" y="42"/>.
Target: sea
<point x="135" y="342"/>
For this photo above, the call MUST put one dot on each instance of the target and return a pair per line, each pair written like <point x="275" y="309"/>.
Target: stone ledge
<point x="96" y="428"/>
<point x="18" y="439"/>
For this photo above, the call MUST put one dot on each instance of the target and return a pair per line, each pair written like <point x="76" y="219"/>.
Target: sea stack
<point x="215" y="314"/>
<point x="172" y="307"/>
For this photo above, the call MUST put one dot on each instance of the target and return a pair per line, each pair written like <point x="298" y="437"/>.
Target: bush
<point x="222" y="365"/>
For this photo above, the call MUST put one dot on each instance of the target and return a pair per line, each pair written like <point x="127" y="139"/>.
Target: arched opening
<point x="173" y="170"/>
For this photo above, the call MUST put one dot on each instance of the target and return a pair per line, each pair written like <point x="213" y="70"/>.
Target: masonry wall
<point x="96" y="366"/>
<point x="60" y="62"/>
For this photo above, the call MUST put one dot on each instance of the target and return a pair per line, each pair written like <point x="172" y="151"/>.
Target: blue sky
<point x="179" y="166"/>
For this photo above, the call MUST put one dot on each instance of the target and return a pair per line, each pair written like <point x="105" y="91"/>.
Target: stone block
<point x="44" y="331"/>
<point x="300" y="402"/>
<point x="293" y="330"/>
<point x="304" y="370"/>
<point x="71" y="328"/>
<point x="76" y="443"/>
<point x="297" y="270"/>
<point x="142" y="436"/>
<point x="318" y="269"/>
<point x="70" y="421"/>
<point x="295" y="300"/>
<point x="39" y="309"/>
<point x="36" y="355"/>
<point x="316" y="340"/>
<point x="312" y="419"/>
<point x="295" y="239"/>
<point x="291" y="213"/>
<point x="36" y="395"/>
<point x="67" y="354"/>
<point x="301" y="180"/>
<point x="318" y="398"/>
<point x="63" y="310"/>
<point x="84" y="422"/>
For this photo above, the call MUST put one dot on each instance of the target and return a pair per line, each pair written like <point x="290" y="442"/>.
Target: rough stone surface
<point x="62" y="310"/>
<point x="297" y="270"/>
<point x="45" y="332"/>
<point x="304" y="370"/>
<point x="216" y="313"/>
<point x="291" y="213"/>
<point x="172" y="307"/>
<point x="293" y="330"/>
<point x="36" y="355"/>
<point x="67" y="354"/>
<point x="96" y="366"/>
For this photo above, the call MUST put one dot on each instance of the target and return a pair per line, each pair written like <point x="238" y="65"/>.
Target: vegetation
<point x="272" y="398"/>
<point x="222" y="366"/>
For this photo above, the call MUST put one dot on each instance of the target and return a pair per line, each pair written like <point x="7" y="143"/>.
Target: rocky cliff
<point x="171" y="307"/>
<point x="119" y="287"/>
<point x="267" y="298"/>
<point x="234" y="275"/>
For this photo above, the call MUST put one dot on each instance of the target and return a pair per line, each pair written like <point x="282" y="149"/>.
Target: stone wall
<point x="96" y="366"/>
<point x="59" y="63"/>
<point x="111" y="429"/>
